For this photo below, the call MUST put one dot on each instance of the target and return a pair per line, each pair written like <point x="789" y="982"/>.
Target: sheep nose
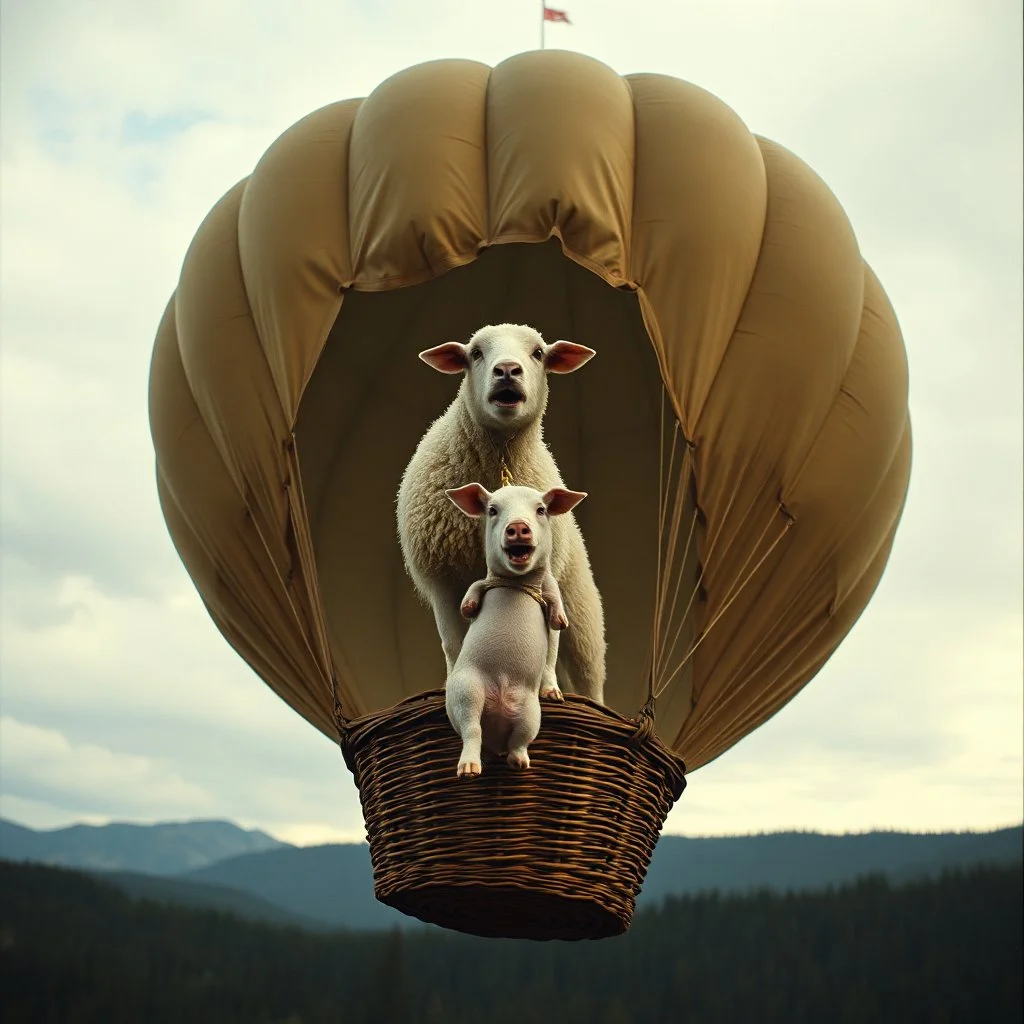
<point x="508" y="368"/>
<point x="518" y="531"/>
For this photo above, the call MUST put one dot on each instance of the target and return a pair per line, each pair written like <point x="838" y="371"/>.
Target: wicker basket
<point x="556" y="852"/>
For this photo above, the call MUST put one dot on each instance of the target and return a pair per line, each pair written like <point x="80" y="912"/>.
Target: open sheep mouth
<point x="508" y="396"/>
<point x="519" y="554"/>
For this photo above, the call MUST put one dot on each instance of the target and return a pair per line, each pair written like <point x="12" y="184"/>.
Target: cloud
<point x="121" y="124"/>
<point x="41" y="764"/>
<point x="153" y="682"/>
<point x="139" y="127"/>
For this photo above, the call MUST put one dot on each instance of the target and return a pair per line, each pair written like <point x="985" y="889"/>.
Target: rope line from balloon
<point x="725" y="607"/>
<point x="661" y="569"/>
<point x="307" y="558"/>
<point x="663" y="650"/>
<point x="307" y="562"/>
<point x="666" y="560"/>
<point x="731" y="594"/>
<point x="680" y="497"/>
<point x="677" y="514"/>
<point x="780" y="644"/>
<point x="292" y="486"/>
<point x="662" y="655"/>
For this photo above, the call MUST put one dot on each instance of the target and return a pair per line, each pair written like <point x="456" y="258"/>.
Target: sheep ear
<point x="566" y="356"/>
<point x="451" y="357"/>
<point x="472" y="499"/>
<point x="558" y="500"/>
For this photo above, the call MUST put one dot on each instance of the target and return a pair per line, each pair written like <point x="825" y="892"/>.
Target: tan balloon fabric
<point x="744" y="426"/>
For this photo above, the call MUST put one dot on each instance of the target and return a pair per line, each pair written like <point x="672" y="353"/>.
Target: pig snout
<point x="507" y="369"/>
<point x="519" y="531"/>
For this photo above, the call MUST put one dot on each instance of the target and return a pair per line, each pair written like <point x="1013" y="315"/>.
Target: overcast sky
<point x="123" y="122"/>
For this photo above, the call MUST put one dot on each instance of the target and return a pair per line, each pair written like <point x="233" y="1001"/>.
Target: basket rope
<point x="676" y="482"/>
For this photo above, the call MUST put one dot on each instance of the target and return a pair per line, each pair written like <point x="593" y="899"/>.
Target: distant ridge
<point x="168" y="848"/>
<point x="334" y="883"/>
<point x="805" y="861"/>
<point x="220" y="866"/>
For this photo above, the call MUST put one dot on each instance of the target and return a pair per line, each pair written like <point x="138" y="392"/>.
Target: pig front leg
<point x="524" y="732"/>
<point x="451" y="627"/>
<point x="470" y="607"/>
<point x="464" y="702"/>
<point x="552" y="594"/>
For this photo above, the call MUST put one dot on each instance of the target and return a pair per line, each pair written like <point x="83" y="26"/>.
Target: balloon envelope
<point x="743" y="431"/>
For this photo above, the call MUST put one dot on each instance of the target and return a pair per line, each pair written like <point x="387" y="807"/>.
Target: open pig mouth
<point x="508" y="396"/>
<point x="519" y="554"/>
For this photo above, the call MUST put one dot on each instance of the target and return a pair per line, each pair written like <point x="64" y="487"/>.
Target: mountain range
<point x="254" y="876"/>
<point x="169" y="848"/>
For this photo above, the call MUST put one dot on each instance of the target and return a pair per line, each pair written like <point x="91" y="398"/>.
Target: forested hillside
<point x="75" y="949"/>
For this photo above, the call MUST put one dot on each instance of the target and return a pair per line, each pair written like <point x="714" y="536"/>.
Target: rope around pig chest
<point x="500" y="582"/>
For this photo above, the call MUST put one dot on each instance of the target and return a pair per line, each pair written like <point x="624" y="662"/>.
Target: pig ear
<point x="558" y="500"/>
<point x="472" y="499"/>
<point x="450" y="357"/>
<point x="566" y="356"/>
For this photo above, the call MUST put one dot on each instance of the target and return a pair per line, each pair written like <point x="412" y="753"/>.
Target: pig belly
<point x="507" y="646"/>
<point x="508" y="640"/>
<point x="504" y="704"/>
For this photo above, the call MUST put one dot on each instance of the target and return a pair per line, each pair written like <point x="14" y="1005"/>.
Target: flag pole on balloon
<point x="550" y="14"/>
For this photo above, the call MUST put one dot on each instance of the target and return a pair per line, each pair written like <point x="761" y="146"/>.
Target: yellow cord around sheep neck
<point x="502" y="453"/>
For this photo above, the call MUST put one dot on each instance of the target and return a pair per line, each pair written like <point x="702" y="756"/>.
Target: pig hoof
<point x="469" y="769"/>
<point x="559" y="622"/>
<point x="469" y="609"/>
<point x="518" y="759"/>
<point x="551" y="693"/>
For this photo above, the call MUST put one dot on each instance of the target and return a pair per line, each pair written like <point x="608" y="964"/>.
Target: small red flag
<point x="550" y="14"/>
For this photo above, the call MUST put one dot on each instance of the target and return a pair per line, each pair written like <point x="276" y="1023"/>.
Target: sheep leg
<point x="451" y="627"/>
<point x="549" y="680"/>
<point x="582" y="657"/>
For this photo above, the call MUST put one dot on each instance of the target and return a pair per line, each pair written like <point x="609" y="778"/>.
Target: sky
<point x="122" y="123"/>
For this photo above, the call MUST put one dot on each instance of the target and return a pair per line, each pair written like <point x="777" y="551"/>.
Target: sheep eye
<point x="542" y="511"/>
<point x="538" y="354"/>
<point x="477" y="355"/>
<point x="492" y="511"/>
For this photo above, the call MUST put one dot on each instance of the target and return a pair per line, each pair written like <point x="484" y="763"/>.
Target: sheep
<point x="492" y="432"/>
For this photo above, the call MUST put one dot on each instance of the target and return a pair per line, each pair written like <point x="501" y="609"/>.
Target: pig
<point x="493" y="692"/>
<point x="497" y="417"/>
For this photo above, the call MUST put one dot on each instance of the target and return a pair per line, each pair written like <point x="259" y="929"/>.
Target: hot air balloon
<point x="743" y="434"/>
